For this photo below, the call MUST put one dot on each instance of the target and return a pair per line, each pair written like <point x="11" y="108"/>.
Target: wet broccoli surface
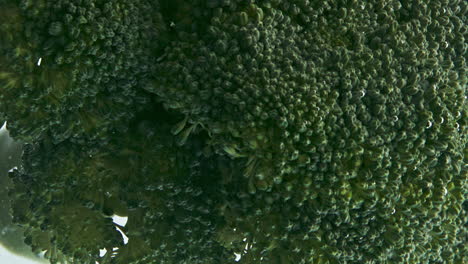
<point x="300" y="131"/>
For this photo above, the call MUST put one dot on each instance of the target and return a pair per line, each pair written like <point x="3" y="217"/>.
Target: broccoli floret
<point x="11" y="234"/>
<point x="285" y="131"/>
<point x="65" y="197"/>
<point x="354" y="110"/>
<point x="72" y="69"/>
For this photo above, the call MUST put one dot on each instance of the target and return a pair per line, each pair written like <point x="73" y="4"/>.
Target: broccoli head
<point x="353" y="111"/>
<point x="284" y="131"/>
<point x="65" y="196"/>
<point x="72" y="68"/>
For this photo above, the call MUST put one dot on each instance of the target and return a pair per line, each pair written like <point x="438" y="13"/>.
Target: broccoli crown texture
<point x="11" y="234"/>
<point x="65" y="198"/>
<point x="72" y="67"/>
<point x="283" y="131"/>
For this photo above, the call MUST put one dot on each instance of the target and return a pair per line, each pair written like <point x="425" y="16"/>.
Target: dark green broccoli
<point x="10" y="233"/>
<point x="355" y="112"/>
<point x="65" y="198"/>
<point x="285" y="131"/>
<point x="74" y="67"/>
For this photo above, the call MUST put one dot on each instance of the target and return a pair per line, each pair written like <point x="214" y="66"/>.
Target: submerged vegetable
<point x="329" y="131"/>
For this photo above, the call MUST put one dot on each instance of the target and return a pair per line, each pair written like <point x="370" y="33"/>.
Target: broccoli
<point x="81" y="61"/>
<point x="168" y="193"/>
<point x="11" y="234"/>
<point x="284" y="131"/>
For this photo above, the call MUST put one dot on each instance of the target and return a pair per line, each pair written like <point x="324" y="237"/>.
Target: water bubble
<point x="429" y="124"/>
<point x="363" y="93"/>
<point x="246" y="247"/>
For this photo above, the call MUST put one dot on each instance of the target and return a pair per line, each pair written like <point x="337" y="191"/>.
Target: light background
<point x="8" y="258"/>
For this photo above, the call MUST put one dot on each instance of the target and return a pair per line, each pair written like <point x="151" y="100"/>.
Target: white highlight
<point x="114" y="252"/>
<point x="121" y="221"/>
<point x="3" y="126"/>
<point x="238" y="256"/>
<point x="102" y="252"/>
<point x="125" y="238"/>
<point x="429" y="124"/>
<point x="39" y="62"/>
<point x="9" y="258"/>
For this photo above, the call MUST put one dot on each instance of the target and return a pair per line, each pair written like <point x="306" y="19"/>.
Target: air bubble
<point x="363" y="93"/>
<point x="429" y="124"/>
